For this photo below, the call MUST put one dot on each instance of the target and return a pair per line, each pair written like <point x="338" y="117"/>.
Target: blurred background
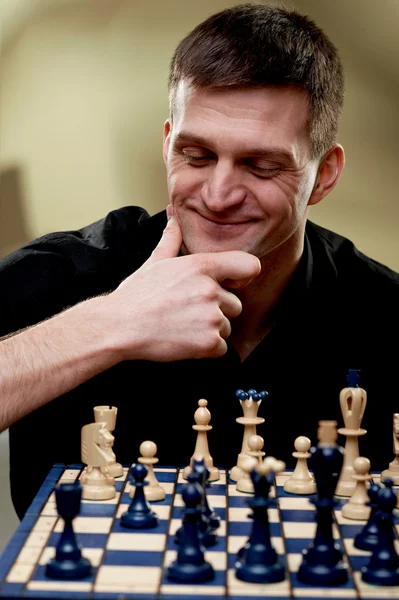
<point x="83" y="99"/>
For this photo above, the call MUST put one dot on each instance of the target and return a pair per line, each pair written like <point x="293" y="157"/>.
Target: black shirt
<point x="339" y="312"/>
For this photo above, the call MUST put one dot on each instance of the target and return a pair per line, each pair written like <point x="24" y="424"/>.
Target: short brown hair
<point x="255" y="45"/>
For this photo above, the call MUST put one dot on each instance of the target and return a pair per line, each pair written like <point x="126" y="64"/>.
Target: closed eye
<point x="197" y="160"/>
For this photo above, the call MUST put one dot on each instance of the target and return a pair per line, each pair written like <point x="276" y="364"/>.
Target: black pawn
<point x="68" y="562"/>
<point x="190" y="565"/>
<point x="139" y="514"/>
<point x="383" y="568"/>
<point x="257" y="561"/>
<point x="367" y="539"/>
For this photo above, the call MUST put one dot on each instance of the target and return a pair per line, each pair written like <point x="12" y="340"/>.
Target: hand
<point x="175" y="308"/>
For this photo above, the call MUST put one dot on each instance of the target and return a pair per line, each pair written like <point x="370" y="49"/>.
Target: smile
<point x="225" y="225"/>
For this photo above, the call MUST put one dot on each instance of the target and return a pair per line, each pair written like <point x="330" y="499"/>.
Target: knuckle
<point x="209" y="290"/>
<point x="205" y="263"/>
<point x="215" y="319"/>
<point x="213" y="344"/>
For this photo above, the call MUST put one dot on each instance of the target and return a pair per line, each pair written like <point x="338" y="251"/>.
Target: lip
<point x="224" y="224"/>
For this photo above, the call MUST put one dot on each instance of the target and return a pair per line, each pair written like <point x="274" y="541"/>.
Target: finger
<point x="235" y="269"/>
<point x="225" y="329"/>
<point x="229" y="304"/>
<point x="218" y="351"/>
<point x="170" y="243"/>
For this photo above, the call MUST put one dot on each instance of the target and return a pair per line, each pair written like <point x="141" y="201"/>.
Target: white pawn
<point x="301" y="481"/>
<point x="202" y="416"/>
<point x="356" y="507"/>
<point x="153" y="491"/>
<point x="250" y="460"/>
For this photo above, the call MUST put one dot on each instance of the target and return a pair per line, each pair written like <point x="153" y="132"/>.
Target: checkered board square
<point x="131" y="564"/>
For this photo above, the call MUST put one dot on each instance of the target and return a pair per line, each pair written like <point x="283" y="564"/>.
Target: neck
<point x="262" y="295"/>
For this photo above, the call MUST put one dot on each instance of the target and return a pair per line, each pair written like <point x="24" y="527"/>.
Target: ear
<point x="329" y="172"/>
<point x="167" y="128"/>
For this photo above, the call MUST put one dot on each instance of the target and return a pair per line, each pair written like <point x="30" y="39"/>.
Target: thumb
<point x="170" y="243"/>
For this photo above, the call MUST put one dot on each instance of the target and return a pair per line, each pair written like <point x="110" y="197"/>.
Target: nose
<point x="222" y="188"/>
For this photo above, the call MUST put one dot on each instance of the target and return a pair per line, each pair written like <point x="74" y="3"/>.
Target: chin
<point x="202" y="247"/>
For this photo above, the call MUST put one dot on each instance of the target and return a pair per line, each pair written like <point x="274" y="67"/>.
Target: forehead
<point x="267" y="112"/>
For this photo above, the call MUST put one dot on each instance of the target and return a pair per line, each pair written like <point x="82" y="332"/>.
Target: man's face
<point x="238" y="167"/>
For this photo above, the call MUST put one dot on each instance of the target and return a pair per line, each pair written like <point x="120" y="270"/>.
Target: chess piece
<point x="95" y="443"/>
<point x="393" y="470"/>
<point x="254" y="457"/>
<point x="255" y="445"/>
<point x="383" y="568"/>
<point x="322" y="562"/>
<point x="68" y="562"/>
<point x="107" y="415"/>
<point x="202" y="416"/>
<point x="250" y="402"/>
<point x="209" y="521"/>
<point x="301" y="480"/>
<point x="139" y="514"/>
<point x="153" y="492"/>
<point x="207" y="534"/>
<point x="367" y="538"/>
<point x="353" y="400"/>
<point x="199" y="466"/>
<point x="357" y="508"/>
<point x="190" y="565"/>
<point x="258" y="561"/>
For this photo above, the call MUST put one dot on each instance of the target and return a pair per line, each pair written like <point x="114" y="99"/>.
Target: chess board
<point x="131" y="564"/>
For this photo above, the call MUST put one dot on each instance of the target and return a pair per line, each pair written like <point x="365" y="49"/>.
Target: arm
<point x="47" y="360"/>
<point x="172" y="308"/>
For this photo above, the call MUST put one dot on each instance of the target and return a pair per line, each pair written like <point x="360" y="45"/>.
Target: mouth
<point x="226" y="224"/>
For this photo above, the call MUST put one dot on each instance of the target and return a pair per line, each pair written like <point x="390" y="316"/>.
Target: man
<point x="238" y="291"/>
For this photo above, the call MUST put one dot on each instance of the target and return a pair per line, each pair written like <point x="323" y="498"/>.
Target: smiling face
<point x="238" y="167"/>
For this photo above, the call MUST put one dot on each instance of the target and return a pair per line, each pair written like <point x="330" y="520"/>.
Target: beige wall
<point x="83" y="99"/>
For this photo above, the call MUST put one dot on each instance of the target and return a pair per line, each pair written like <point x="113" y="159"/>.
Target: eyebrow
<point x="184" y="136"/>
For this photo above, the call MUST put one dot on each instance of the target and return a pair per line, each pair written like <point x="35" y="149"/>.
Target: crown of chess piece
<point x="353" y="400"/>
<point x="253" y="458"/>
<point x="202" y="417"/>
<point x="301" y="480"/>
<point x="68" y="562"/>
<point x="139" y="514"/>
<point x="250" y="402"/>
<point x="154" y="492"/>
<point x="357" y="508"/>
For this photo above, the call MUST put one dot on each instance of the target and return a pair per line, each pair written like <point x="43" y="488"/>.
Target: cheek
<point x="276" y="199"/>
<point x="182" y="181"/>
<point x="292" y="192"/>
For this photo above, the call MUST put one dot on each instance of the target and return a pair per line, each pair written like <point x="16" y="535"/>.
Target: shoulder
<point x="349" y="262"/>
<point x="62" y="268"/>
<point x="120" y="232"/>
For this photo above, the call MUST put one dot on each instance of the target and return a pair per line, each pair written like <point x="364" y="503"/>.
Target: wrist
<point x="111" y="336"/>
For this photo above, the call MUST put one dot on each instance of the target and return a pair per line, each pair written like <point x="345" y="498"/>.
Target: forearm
<point x="49" y="359"/>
